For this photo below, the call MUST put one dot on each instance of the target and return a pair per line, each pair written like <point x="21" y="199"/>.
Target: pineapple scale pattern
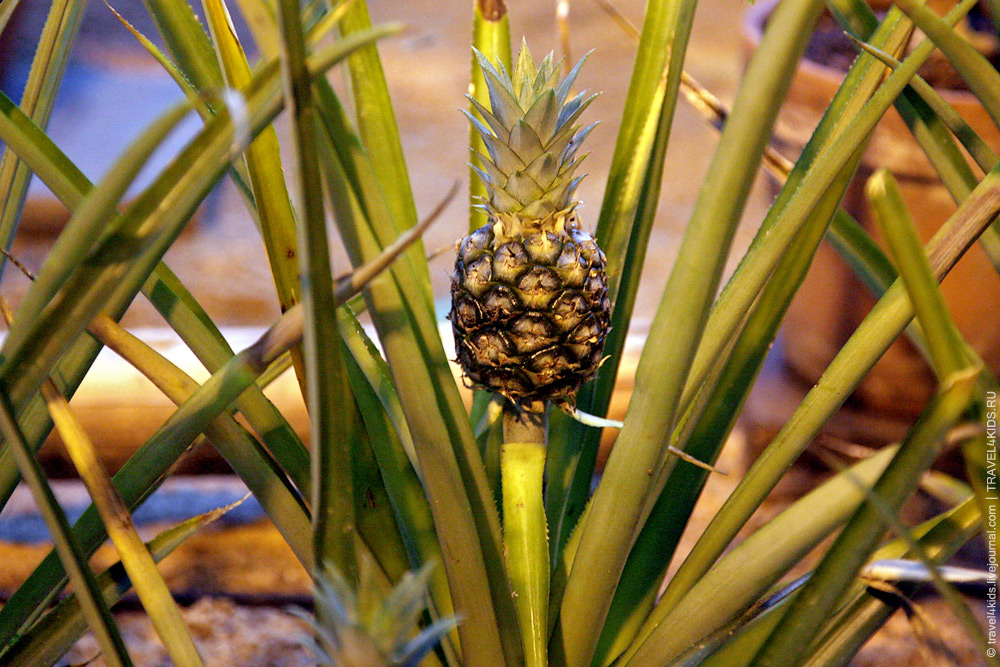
<point x="530" y="307"/>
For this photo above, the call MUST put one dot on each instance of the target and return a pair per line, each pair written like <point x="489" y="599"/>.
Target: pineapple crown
<point x="531" y="138"/>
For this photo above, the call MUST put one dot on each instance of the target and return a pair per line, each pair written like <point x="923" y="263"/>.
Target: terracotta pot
<point x="832" y="301"/>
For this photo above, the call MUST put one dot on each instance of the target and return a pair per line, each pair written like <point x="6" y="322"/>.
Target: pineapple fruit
<point x="530" y="307"/>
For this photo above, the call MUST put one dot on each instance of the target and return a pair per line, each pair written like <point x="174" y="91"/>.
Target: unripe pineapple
<point x="530" y="306"/>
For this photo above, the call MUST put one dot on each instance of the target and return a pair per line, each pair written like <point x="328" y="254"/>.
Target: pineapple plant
<point x="354" y="632"/>
<point x="538" y="565"/>
<point x="530" y="307"/>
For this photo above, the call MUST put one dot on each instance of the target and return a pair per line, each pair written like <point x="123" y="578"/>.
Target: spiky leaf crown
<point x="531" y="139"/>
<point x="362" y="632"/>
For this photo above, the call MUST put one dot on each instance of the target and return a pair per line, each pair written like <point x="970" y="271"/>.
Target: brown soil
<point x="227" y="635"/>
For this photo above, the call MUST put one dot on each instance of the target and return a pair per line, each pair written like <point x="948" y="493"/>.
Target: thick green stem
<point x="525" y="534"/>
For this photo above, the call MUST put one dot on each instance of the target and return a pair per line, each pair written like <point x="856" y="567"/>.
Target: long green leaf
<point x="874" y="335"/>
<point x="491" y="37"/>
<point x="947" y="349"/>
<point x="866" y="612"/>
<point x="620" y="503"/>
<point x="147" y="229"/>
<point x="664" y="35"/>
<point x="469" y="533"/>
<point x="273" y="205"/>
<point x="191" y="82"/>
<point x="767" y="250"/>
<point x="69" y="184"/>
<point x="72" y="187"/>
<point x="940" y="537"/>
<point x="929" y="119"/>
<point x="980" y="151"/>
<point x="856" y="247"/>
<point x="188" y="42"/>
<point x="646" y="564"/>
<point x="936" y="575"/>
<point x="262" y="161"/>
<point x="786" y="645"/>
<point x="573" y="446"/>
<point x="180" y="78"/>
<point x="247" y="458"/>
<point x="413" y="512"/>
<point x="729" y="644"/>
<point x="704" y="438"/>
<point x="183" y="184"/>
<point x="328" y="395"/>
<point x="365" y="355"/>
<point x="69" y="550"/>
<point x="376" y="122"/>
<point x="36" y="425"/>
<point x="374" y="514"/>
<point x="92" y="209"/>
<point x="744" y="286"/>
<point x="977" y="72"/>
<point x="64" y="624"/>
<point x="706" y="426"/>
<point x="977" y="148"/>
<point x="379" y="133"/>
<point x="753" y="566"/>
<point x="186" y="316"/>
<point x="263" y="23"/>
<point x="138" y="562"/>
<point x="65" y="180"/>
<point x="943" y="339"/>
<point x="623" y="228"/>
<point x="917" y="106"/>
<point x="263" y="95"/>
<point x="51" y="55"/>
<point x="147" y="467"/>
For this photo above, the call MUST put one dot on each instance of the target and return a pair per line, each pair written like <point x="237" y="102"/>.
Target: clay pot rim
<point x="752" y="29"/>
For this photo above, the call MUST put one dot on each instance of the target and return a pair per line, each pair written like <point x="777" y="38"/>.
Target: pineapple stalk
<point x="530" y="307"/>
<point x="525" y="533"/>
